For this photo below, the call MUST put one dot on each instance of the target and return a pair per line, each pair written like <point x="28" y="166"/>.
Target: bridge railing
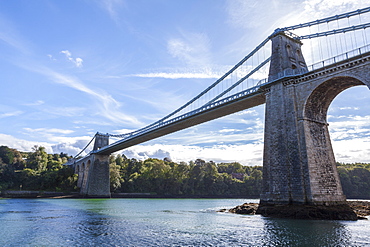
<point x="288" y="73"/>
<point x="341" y="57"/>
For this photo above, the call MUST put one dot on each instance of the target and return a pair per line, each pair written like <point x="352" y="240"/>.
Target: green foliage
<point x="36" y="170"/>
<point x="201" y="178"/>
<point x="198" y="178"/>
<point x="38" y="159"/>
<point x="355" y="179"/>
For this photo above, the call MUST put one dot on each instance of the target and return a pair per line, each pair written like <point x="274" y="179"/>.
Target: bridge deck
<point x="232" y="106"/>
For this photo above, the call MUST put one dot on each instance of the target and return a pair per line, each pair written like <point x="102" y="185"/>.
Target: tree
<point x="114" y="172"/>
<point x="6" y="155"/>
<point x="38" y="159"/>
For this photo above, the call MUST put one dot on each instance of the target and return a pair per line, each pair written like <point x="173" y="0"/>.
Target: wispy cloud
<point x="76" y="61"/>
<point x="247" y="13"/>
<point x="10" y="36"/>
<point x="36" y="103"/>
<point x="64" y="111"/>
<point x="322" y="8"/>
<point x="191" y="48"/>
<point x="184" y="75"/>
<point x="10" y="114"/>
<point x="112" y="7"/>
<point x="51" y="57"/>
<point x="52" y="130"/>
<point x="107" y="105"/>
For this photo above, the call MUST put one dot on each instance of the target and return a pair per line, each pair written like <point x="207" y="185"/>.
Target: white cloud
<point x="349" y="108"/>
<point x="36" y="103"/>
<point x="229" y="130"/>
<point x="108" y="107"/>
<point x="69" y="145"/>
<point x="70" y="148"/>
<point x="349" y="128"/>
<point x="51" y="57"/>
<point x="52" y="130"/>
<point x="10" y="114"/>
<point x="248" y="154"/>
<point x="50" y="135"/>
<point x="353" y="150"/>
<point x="22" y="145"/>
<point x="67" y="53"/>
<point x="191" y="48"/>
<point x="10" y="35"/>
<point x="188" y="75"/>
<point x="251" y="112"/>
<point x="248" y="13"/>
<point x="77" y="61"/>
<point x="64" y="111"/>
<point x="323" y="8"/>
<point x="112" y="7"/>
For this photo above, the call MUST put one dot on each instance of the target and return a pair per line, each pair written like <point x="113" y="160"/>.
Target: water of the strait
<point x="162" y="222"/>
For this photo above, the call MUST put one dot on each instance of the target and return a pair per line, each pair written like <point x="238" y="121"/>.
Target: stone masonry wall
<point x="299" y="163"/>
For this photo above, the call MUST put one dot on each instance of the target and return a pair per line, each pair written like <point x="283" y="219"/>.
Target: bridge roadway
<point x="203" y="115"/>
<point x="254" y="97"/>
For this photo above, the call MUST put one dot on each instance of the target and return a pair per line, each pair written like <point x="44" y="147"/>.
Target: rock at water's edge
<point x="351" y="211"/>
<point x="361" y="208"/>
<point x="246" y="208"/>
<point x="314" y="212"/>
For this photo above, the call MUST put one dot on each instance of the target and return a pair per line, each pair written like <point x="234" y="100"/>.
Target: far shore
<point x="58" y="195"/>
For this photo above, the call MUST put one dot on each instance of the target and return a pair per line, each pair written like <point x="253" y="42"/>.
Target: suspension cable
<point x="85" y="147"/>
<point x="240" y="81"/>
<point x="335" y="31"/>
<point x="207" y="89"/>
<point x="363" y="31"/>
<point x="328" y="19"/>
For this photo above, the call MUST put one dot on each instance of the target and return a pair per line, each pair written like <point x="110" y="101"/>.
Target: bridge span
<point x="298" y="163"/>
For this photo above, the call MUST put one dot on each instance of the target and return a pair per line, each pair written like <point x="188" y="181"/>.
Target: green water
<point x="162" y="222"/>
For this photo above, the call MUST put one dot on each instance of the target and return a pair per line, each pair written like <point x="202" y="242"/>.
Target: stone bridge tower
<point x="298" y="165"/>
<point x="93" y="171"/>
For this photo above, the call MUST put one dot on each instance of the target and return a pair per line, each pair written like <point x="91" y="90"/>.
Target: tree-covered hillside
<point x="355" y="179"/>
<point x="197" y="178"/>
<point x="35" y="170"/>
<point x="40" y="171"/>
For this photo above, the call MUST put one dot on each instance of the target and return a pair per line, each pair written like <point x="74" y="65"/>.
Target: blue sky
<point x="72" y="68"/>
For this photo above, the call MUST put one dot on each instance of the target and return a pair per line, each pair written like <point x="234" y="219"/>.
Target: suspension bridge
<point x="299" y="164"/>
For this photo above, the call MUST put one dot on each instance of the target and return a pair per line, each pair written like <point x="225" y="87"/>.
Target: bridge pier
<point x="93" y="171"/>
<point x="299" y="163"/>
<point x="93" y="176"/>
<point x="300" y="179"/>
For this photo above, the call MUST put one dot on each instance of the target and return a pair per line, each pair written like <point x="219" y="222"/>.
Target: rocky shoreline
<point x="361" y="209"/>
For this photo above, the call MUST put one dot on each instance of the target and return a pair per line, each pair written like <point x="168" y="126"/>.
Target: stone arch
<point x="78" y="171"/>
<point x="324" y="181"/>
<point x="318" y="102"/>
<point x="85" y="176"/>
<point x="81" y="176"/>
